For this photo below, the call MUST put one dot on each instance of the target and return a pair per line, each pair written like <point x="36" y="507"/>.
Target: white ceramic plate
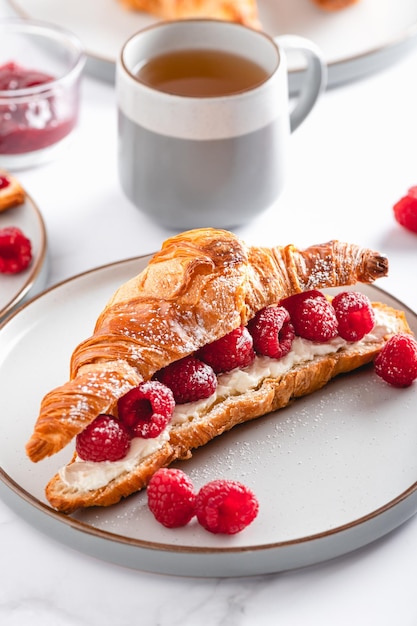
<point x="333" y="472"/>
<point x="14" y="289"/>
<point x="355" y="41"/>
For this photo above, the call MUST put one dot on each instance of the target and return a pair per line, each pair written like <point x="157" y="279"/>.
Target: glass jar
<point x="40" y="72"/>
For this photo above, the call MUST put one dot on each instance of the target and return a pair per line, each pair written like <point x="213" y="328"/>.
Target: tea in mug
<point x="201" y="73"/>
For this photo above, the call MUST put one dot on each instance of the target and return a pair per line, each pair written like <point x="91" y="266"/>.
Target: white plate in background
<point x="355" y="41"/>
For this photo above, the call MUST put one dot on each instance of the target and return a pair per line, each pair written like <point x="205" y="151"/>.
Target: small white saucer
<point x="16" y="288"/>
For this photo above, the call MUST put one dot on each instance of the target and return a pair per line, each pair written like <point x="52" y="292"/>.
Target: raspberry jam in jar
<point x="40" y="69"/>
<point x="28" y="125"/>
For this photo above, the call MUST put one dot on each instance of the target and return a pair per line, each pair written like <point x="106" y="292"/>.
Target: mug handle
<point x="314" y="80"/>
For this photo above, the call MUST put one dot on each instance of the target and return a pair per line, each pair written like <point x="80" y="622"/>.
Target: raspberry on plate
<point x="312" y="316"/>
<point x="189" y="379"/>
<point x="233" y="350"/>
<point x="146" y="409"/>
<point x="405" y="210"/>
<point x="15" y="251"/>
<point x="105" y="439"/>
<point x="272" y="332"/>
<point x="171" y="497"/>
<point x="225" y="506"/>
<point x="397" y="361"/>
<point x="355" y="315"/>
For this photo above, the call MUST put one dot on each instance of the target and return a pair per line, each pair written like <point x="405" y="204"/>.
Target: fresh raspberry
<point x="189" y="379"/>
<point x="405" y="210"/>
<point x="312" y="316"/>
<point x="293" y="303"/>
<point x="146" y="409"/>
<point x="4" y="182"/>
<point x="171" y="497"/>
<point x="233" y="350"/>
<point x="355" y="315"/>
<point x="15" y="251"/>
<point x="226" y="506"/>
<point x="397" y="361"/>
<point x="272" y="332"/>
<point x="105" y="439"/>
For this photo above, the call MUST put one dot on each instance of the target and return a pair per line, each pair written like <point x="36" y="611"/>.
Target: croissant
<point x="240" y="11"/>
<point x="334" y="5"/>
<point x="201" y="285"/>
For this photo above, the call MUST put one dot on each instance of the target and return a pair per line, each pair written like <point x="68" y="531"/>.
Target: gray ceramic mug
<point x="219" y="161"/>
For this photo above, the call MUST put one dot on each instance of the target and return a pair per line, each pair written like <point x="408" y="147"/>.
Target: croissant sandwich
<point x="202" y="288"/>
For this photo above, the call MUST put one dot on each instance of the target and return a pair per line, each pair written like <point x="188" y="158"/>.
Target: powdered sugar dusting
<point x="232" y="383"/>
<point x="321" y="274"/>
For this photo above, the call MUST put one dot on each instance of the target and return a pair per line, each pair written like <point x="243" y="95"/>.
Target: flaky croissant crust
<point x="200" y="286"/>
<point x="240" y="11"/>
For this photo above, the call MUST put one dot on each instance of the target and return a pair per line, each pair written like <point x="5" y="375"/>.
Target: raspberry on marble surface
<point x="405" y="210"/>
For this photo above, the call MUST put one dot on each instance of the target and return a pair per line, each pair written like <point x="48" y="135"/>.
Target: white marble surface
<point x="351" y="161"/>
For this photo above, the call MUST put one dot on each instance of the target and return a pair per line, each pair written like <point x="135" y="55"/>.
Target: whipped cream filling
<point x="89" y="475"/>
<point x="239" y="381"/>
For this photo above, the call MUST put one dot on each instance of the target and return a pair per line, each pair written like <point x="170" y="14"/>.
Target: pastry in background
<point x="11" y="192"/>
<point x="240" y="11"/>
<point x="334" y="5"/>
